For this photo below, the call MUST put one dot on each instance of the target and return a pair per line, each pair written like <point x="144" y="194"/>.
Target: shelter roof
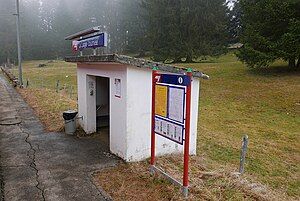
<point x="138" y="62"/>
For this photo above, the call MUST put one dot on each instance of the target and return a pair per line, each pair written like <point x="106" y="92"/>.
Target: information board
<point x="171" y="116"/>
<point x="170" y="92"/>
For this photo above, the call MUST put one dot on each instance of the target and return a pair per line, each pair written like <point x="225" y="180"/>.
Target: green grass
<point x="48" y="76"/>
<point x="41" y="92"/>
<point x="265" y="105"/>
<point x="262" y="103"/>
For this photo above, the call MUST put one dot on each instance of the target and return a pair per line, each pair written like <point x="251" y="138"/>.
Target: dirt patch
<point x="133" y="182"/>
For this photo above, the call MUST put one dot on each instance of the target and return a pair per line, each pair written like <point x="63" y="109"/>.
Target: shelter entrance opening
<point x="103" y="107"/>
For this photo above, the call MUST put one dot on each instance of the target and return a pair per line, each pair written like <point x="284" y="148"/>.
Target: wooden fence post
<point x="71" y="91"/>
<point x="243" y="154"/>
<point x="57" y="86"/>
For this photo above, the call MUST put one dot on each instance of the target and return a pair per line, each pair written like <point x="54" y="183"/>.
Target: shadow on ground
<point x="274" y="71"/>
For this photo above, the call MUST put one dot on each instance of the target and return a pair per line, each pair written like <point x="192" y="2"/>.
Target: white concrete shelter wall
<point x="130" y="115"/>
<point x="139" y="92"/>
<point x="117" y="105"/>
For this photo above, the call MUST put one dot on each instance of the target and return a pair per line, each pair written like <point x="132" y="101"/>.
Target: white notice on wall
<point x="118" y="88"/>
<point x="176" y="104"/>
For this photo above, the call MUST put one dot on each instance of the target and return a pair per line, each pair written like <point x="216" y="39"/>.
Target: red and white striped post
<point x="185" y="189"/>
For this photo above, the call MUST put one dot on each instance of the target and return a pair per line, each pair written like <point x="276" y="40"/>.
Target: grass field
<point x="42" y="94"/>
<point x="47" y="76"/>
<point x="264" y="104"/>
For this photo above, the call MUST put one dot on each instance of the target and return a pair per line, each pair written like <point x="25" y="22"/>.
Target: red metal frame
<point x="152" y="162"/>
<point x="187" y="127"/>
<point x="187" y="133"/>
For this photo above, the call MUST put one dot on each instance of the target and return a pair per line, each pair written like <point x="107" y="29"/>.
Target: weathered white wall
<point x="91" y="104"/>
<point x="139" y="87"/>
<point x="117" y="105"/>
<point x="194" y="114"/>
<point x="130" y="115"/>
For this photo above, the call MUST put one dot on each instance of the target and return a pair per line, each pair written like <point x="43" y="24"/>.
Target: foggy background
<point x="130" y="23"/>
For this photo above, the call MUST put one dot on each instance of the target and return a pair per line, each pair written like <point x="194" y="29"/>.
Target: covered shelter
<point x="115" y="91"/>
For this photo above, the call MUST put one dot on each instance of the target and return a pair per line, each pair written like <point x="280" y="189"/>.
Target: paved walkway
<point x="35" y="165"/>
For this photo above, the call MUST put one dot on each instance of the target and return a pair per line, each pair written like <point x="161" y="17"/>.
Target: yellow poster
<point x="161" y="97"/>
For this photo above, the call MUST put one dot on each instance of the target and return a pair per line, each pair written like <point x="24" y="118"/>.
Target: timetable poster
<point x="161" y="100"/>
<point x="176" y="104"/>
<point x="169" y="130"/>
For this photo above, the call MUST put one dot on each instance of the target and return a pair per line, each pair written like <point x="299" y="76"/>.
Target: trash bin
<point x="70" y="121"/>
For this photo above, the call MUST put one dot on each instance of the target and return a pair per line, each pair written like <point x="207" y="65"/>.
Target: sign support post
<point x="187" y="137"/>
<point x="152" y="162"/>
<point x="170" y="92"/>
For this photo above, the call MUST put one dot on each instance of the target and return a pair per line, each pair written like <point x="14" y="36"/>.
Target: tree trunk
<point x="141" y="54"/>
<point x="177" y="60"/>
<point x="189" y="58"/>
<point x="292" y="63"/>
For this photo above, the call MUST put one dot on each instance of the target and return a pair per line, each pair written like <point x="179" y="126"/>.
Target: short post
<point x="243" y="154"/>
<point x="95" y="52"/>
<point x="71" y="91"/>
<point x="57" y="86"/>
<point x="27" y="83"/>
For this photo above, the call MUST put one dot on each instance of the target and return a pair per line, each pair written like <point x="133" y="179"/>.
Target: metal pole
<point x="152" y="162"/>
<point x="57" y="86"/>
<point x="71" y="91"/>
<point x="243" y="154"/>
<point x="185" y="189"/>
<point x="19" y="43"/>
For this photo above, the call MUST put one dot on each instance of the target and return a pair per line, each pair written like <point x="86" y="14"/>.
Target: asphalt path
<point x="36" y="165"/>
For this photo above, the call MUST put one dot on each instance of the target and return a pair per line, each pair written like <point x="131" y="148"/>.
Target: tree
<point x="271" y="30"/>
<point x="187" y="28"/>
<point x="235" y="24"/>
<point x="63" y="23"/>
<point x="7" y="31"/>
<point x="134" y="27"/>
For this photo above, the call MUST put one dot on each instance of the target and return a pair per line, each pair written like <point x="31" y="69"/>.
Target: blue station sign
<point x="92" y="42"/>
<point x="181" y="80"/>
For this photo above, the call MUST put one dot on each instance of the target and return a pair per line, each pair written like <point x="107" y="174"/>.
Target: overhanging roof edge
<point x="141" y="63"/>
<point x="83" y="33"/>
